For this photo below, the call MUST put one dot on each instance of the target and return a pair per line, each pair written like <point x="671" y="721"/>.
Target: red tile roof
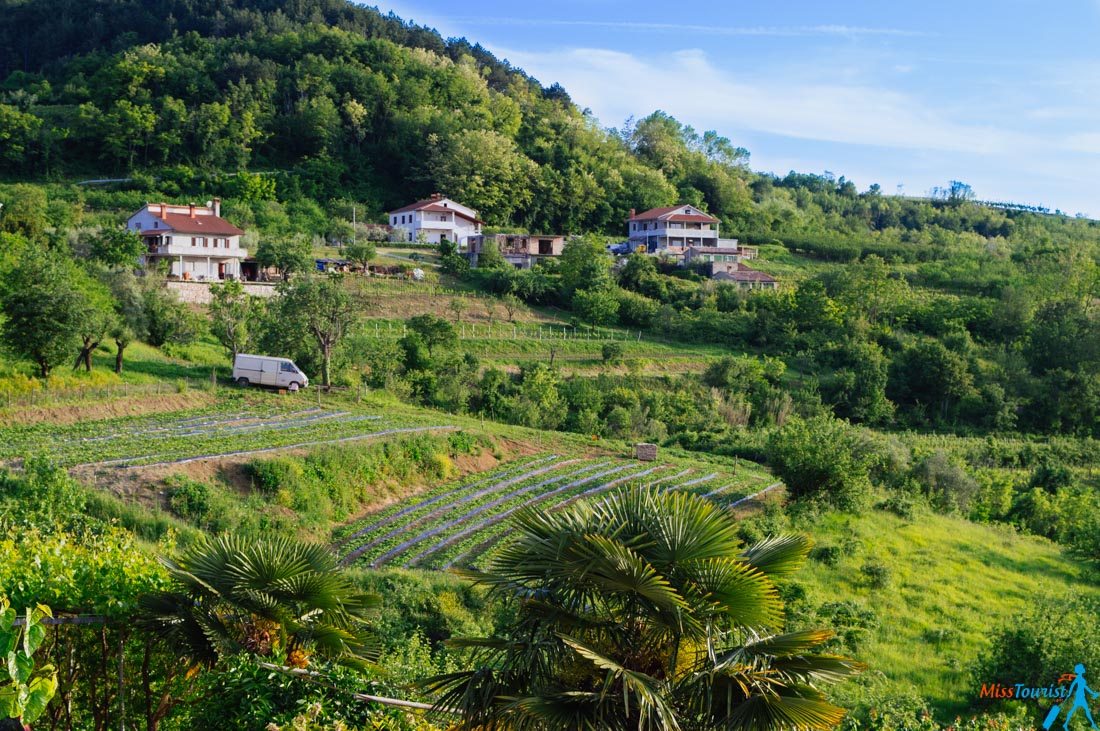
<point x="432" y="205"/>
<point x="208" y="224"/>
<point x="745" y="274"/>
<point x="664" y="214"/>
<point x="416" y="206"/>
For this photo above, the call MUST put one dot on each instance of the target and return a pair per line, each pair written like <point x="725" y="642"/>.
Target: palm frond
<point x="779" y="555"/>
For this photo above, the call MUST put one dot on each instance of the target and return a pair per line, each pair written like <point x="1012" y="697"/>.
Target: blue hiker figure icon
<point x="1078" y="689"/>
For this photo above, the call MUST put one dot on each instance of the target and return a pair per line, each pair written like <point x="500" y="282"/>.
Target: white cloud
<point x="686" y="84"/>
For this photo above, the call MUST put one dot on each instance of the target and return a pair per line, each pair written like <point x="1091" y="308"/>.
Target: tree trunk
<point x="326" y="358"/>
<point x="44" y="368"/>
<point x="119" y="347"/>
<point x="85" y="356"/>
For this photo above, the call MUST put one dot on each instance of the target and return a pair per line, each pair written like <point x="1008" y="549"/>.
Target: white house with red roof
<point x="436" y="219"/>
<point x="198" y="243"/>
<point x="673" y="229"/>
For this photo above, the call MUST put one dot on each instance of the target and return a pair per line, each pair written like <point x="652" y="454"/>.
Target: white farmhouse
<point x="436" y="219"/>
<point x="196" y="240"/>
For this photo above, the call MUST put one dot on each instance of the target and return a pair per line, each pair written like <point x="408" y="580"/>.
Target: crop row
<point x="515" y="498"/>
<point x="459" y="524"/>
<point x="477" y="542"/>
<point x="16" y="441"/>
<point x="141" y="448"/>
<point x="473" y="542"/>
<point x="378" y="520"/>
<point x="432" y="510"/>
<point x="412" y="525"/>
<point x="162" y="425"/>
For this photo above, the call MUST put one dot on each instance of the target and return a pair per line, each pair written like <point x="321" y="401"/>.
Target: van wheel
<point x="293" y="387"/>
<point x="242" y="382"/>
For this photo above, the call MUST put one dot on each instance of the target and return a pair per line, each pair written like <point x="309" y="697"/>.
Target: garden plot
<point x="459" y="524"/>
<point x="475" y="545"/>
<point x="400" y="533"/>
<point x="378" y="520"/>
<point x="182" y="436"/>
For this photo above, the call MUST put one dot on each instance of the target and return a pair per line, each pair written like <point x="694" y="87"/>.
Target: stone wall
<point x="198" y="293"/>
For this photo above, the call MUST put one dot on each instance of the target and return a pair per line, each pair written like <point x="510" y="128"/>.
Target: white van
<point x="262" y="370"/>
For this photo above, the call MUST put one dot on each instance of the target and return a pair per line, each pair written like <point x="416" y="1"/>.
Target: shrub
<point x="189" y="499"/>
<point x="597" y="306"/>
<point x="876" y="574"/>
<point x="270" y="474"/>
<point x="947" y="485"/>
<point x="819" y="458"/>
<point x="828" y="555"/>
<point x="636" y="310"/>
<point x="1047" y="641"/>
<point x="612" y="353"/>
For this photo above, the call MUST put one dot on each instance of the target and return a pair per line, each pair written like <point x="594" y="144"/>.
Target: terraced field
<point x="183" y="436"/>
<point x="460" y="524"/>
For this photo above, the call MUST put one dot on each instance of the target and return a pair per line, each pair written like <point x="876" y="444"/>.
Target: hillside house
<point x="520" y="250"/>
<point x="196" y="241"/>
<point x="436" y="219"/>
<point x="673" y="229"/>
<point x="742" y="276"/>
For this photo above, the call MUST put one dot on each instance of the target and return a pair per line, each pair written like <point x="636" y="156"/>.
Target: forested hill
<point x="342" y="103"/>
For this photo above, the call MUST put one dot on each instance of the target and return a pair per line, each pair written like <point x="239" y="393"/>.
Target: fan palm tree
<point x="642" y="611"/>
<point x="233" y="595"/>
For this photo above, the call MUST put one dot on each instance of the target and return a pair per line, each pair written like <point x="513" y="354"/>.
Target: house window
<point x="226" y="243"/>
<point x="204" y="243"/>
<point x="156" y="224"/>
<point x="194" y="241"/>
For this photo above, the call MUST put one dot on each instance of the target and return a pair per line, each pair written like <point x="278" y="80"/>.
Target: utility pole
<point x="353" y="224"/>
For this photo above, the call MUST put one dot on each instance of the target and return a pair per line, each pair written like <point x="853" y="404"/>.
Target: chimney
<point x="632" y="213"/>
<point x="163" y="210"/>
<point x="217" y="206"/>
<point x="192" y="207"/>
<point x="437" y="196"/>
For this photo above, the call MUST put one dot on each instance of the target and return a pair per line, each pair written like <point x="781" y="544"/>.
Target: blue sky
<point x="1002" y="95"/>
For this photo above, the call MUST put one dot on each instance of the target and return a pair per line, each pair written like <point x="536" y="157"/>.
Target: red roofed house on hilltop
<point x="196" y="240"/>
<point x="673" y="229"/>
<point x="436" y="219"/>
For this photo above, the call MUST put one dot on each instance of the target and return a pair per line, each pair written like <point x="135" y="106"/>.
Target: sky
<point x="1004" y="96"/>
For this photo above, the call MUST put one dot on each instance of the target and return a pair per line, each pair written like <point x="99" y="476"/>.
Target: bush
<point x="636" y="310"/>
<point x="946" y="485"/>
<point x="189" y="499"/>
<point x="612" y="353"/>
<point x="597" y="306"/>
<point x="819" y="458"/>
<point x="827" y="555"/>
<point x="1056" y="634"/>
<point x="269" y="475"/>
<point x="876" y="574"/>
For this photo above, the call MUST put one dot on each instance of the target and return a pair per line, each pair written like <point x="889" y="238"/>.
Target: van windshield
<point x="288" y="368"/>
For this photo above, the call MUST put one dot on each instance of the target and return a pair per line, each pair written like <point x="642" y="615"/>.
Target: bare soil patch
<point x="70" y="413"/>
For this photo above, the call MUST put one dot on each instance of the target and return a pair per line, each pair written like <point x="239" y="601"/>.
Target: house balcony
<point x="176" y="250"/>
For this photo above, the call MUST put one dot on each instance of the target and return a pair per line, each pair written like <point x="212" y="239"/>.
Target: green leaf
<point x="9" y="701"/>
<point x="20" y="667"/>
<point x="33" y="636"/>
<point x="42" y="689"/>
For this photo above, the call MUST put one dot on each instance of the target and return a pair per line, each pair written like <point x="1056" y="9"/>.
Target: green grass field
<point x="948" y="584"/>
